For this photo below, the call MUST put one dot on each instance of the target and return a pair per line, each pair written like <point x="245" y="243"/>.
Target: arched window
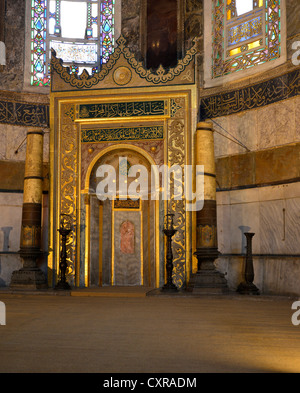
<point x="245" y="34"/>
<point x="82" y="32"/>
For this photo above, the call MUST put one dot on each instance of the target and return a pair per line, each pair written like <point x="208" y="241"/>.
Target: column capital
<point x="205" y="125"/>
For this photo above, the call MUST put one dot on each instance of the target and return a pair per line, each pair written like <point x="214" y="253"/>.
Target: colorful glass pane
<point x="38" y="43"/>
<point x="250" y="40"/>
<point x="244" y="6"/>
<point x="107" y="29"/>
<point x="245" y="31"/>
<point x="76" y="42"/>
<point x="78" y="53"/>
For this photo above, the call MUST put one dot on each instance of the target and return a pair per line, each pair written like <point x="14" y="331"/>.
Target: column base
<point x="28" y="279"/>
<point x="247" y="288"/>
<point x="207" y="280"/>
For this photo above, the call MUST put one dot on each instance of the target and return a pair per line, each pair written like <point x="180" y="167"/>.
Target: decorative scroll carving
<point x="68" y="183"/>
<point x="176" y="156"/>
<point x="87" y="81"/>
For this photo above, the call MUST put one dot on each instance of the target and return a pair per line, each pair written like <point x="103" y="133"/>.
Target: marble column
<point x="30" y="276"/>
<point x="207" y="278"/>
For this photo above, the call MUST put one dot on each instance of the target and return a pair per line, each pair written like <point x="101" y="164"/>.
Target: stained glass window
<point x="245" y="33"/>
<point x="81" y="33"/>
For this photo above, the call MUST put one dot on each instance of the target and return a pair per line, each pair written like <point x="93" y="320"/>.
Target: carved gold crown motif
<point x="122" y="74"/>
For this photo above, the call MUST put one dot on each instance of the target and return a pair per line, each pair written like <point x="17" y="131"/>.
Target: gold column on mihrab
<point x="32" y="197"/>
<point x="206" y="219"/>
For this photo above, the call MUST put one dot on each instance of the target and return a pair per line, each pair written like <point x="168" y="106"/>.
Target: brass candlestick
<point x="169" y="231"/>
<point x="247" y="287"/>
<point x="62" y="283"/>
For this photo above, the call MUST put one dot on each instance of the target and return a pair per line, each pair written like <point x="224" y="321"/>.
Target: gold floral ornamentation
<point x="176" y="156"/>
<point x="68" y="183"/>
<point x="122" y="76"/>
<point x="87" y="81"/>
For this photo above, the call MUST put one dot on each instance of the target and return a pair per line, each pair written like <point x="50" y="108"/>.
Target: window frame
<point x="209" y="80"/>
<point x="27" y="58"/>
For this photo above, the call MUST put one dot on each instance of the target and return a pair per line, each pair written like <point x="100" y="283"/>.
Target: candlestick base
<point x="62" y="286"/>
<point x="247" y="288"/>
<point x="169" y="288"/>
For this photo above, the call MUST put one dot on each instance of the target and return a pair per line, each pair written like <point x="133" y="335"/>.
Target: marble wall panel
<point x="289" y="45"/>
<point x="272" y="213"/>
<point x="223" y="222"/>
<point x="94" y="241"/>
<point x="297" y="118"/>
<point x="285" y="122"/>
<point x="281" y="276"/>
<point x="288" y="280"/>
<point x="242" y="169"/>
<point x="152" y="262"/>
<point x="272" y="276"/>
<point x="46" y="147"/>
<point x="291" y="190"/>
<point x="3" y="133"/>
<point x="243" y="126"/>
<point x="8" y="263"/>
<point x="272" y="227"/>
<point x="266" y="123"/>
<point x="223" y="173"/>
<point x="263" y="128"/>
<point x="244" y="218"/>
<point x="293" y="17"/>
<point x="274" y="192"/>
<point x="127" y="266"/>
<point x="292" y="226"/>
<point x="274" y="165"/>
<point x="15" y="136"/>
<point x="10" y="225"/>
<point x="106" y="242"/>
<point x="220" y="136"/>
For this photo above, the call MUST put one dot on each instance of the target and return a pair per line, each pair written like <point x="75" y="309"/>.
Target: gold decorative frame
<point x="68" y="197"/>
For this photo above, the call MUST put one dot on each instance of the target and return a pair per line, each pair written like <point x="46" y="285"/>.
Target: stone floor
<point x="121" y="330"/>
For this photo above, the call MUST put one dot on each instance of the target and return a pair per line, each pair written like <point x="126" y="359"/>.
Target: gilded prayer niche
<point x="245" y="34"/>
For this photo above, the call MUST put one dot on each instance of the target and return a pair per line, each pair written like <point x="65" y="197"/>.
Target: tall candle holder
<point x="169" y="232"/>
<point x="62" y="283"/>
<point x="247" y="287"/>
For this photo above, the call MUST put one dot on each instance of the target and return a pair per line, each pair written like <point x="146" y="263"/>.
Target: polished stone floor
<point x="124" y="331"/>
